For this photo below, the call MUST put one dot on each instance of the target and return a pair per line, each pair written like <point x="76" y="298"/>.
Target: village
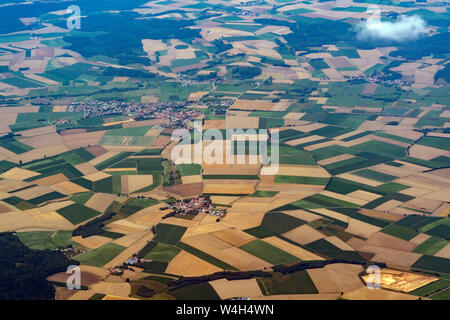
<point x="195" y="206"/>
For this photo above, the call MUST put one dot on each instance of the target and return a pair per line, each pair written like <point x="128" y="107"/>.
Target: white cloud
<point x="406" y="28"/>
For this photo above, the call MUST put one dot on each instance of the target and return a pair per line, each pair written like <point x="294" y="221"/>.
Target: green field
<point x="275" y="223"/>
<point x="268" y="253"/>
<point x="14" y="145"/>
<point x="204" y="256"/>
<point x="301" y="180"/>
<point x="400" y="232"/>
<point x="264" y="194"/>
<point x="169" y="233"/>
<point x="41" y="240"/>
<point x="162" y="252"/>
<point x="295" y="283"/>
<point x="431" y="246"/>
<point x="201" y="291"/>
<point x="189" y="169"/>
<point x="101" y="255"/>
<point x="136" y="204"/>
<point x="77" y="213"/>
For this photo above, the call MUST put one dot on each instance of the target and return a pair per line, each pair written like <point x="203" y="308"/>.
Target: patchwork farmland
<point x="90" y="131"/>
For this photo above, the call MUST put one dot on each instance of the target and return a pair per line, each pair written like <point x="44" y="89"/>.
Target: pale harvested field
<point x="51" y="180"/>
<point x="262" y="105"/>
<point x="7" y="185"/>
<point x="395" y="171"/>
<point x="152" y="132"/>
<point x="241" y="259"/>
<point x="37" y="131"/>
<point x="100" y="201"/>
<point x="332" y="214"/>
<point x="229" y="188"/>
<point x="178" y="221"/>
<point x="195" y="96"/>
<point x="380" y="214"/>
<point x="303" y="234"/>
<point x="74" y="141"/>
<point x="388" y="205"/>
<point x="214" y="124"/>
<point x="97" y="176"/>
<point x="185" y="190"/>
<point x="339" y="243"/>
<point x="191" y="179"/>
<point x="225" y="252"/>
<point x="236" y="288"/>
<point x="233" y="236"/>
<point x="32" y="192"/>
<point x="82" y="295"/>
<point x="302" y="171"/>
<point x="302" y="215"/>
<point x="130" y="238"/>
<point x="148" y="216"/>
<point x="345" y="276"/>
<point x="19" y="220"/>
<point x="206" y="240"/>
<point x="103" y="157"/>
<point x="381" y="239"/>
<point x="205" y="228"/>
<point x="53" y="206"/>
<point x="86" y="168"/>
<point x="294" y="250"/>
<point x="43" y="140"/>
<point x="426" y="153"/>
<point x="18" y="174"/>
<point x="188" y="265"/>
<point x="304" y="140"/>
<point x="444" y="252"/>
<point x="294" y="115"/>
<point x="430" y="202"/>
<point x="364" y="195"/>
<point x="440" y="196"/>
<point x="361" y="228"/>
<point x="323" y="281"/>
<point x="161" y="141"/>
<point x="233" y="122"/>
<point x="365" y="293"/>
<point x="420" y="238"/>
<point x="40" y="153"/>
<point x="338" y="158"/>
<point x="67" y="187"/>
<point x="91" y="242"/>
<point x="112" y="288"/>
<point x="392" y="258"/>
<point x="125" y="226"/>
<point x="132" y="183"/>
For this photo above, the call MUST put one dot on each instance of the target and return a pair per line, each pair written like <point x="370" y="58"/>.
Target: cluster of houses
<point x="132" y="261"/>
<point x="173" y="111"/>
<point x="71" y="251"/>
<point x="194" y="206"/>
